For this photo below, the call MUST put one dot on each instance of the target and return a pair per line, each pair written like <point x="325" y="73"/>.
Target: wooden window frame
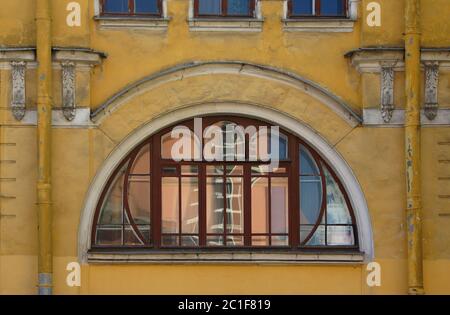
<point x="251" y="10"/>
<point x="292" y="165"/>
<point x="317" y="14"/>
<point x="131" y="10"/>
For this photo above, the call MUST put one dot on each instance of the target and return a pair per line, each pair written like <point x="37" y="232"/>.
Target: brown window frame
<point x="252" y="8"/>
<point x="131" y="11"/>
<point x="292" y="173"/>
<point x="317" y="11"/>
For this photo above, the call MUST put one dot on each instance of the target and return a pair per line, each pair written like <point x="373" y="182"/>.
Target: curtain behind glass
<point x="210" y="7"/>
<point x="238" y="7"/>
<point x="116" y="6"/>
<point x="302" y="7"/>
<point x="331" y="7"/>
<point x="146" y="6"/>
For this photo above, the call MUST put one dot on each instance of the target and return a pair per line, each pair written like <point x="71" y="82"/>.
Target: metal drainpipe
<point x="44" y="116"/>
<point x="412" y="147"/>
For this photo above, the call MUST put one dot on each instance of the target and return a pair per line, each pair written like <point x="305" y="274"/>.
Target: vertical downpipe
<point x="412" y="147"/>
<point x="44" y="116"/>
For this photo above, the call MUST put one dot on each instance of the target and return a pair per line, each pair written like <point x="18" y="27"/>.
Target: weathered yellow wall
<point x="374" y="154"/>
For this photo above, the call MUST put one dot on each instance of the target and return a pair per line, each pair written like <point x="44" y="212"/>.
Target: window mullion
<point x="131" y="6"/>
<point x="224" y="7"/>
<point x="317" y="8"/>
<point x="247" y="205"/>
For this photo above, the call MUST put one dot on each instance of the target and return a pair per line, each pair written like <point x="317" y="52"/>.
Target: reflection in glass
<point x="189" y="205"/>
<point x="340" y="235"/>
<point x="235" y="205"/>
<point x="170" y="202"/>
<point x="109" y="235"/>
<point x="214" y="205"/>
<point x="111" y="211"/>
<point x="308" y="165"/>
<point x="310" y="199"/>
<point x="141" y="165"/>
<point x="139" y="198"/>
<point x="260" y="205"/>
<point x="318" y="238"/>
<point x="337" y="210"/>
<point x="279" y="204"/>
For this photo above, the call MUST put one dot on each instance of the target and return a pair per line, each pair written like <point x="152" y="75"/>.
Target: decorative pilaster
<point x="68" y="90"/>
<point x="18" y="69"/>
<point x="387" y="90"/>
<point x="431" y="89"/>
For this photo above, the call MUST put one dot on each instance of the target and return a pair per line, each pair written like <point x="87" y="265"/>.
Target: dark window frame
<point x="317" y="11"/>
<point x="251" y="11"/>
<point x="131" y="11"/>
<point x="292" y="174"/>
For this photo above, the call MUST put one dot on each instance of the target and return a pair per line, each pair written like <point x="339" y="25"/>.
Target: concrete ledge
<point x="318" y="25"/>
<point x="235" y="257"/>
<point x="146" y="23"/>
<point x="372" y="117"/>
<point x="225" y="24"/>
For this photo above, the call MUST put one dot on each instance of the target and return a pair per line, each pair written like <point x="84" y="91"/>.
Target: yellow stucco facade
<point x="128" y="77"/>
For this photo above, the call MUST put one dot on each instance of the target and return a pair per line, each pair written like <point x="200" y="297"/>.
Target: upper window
<point x="132" y="7"/>
<point x="224" y="8"/>
<point x="317" y="8"/>
<point x="225" y="182"/>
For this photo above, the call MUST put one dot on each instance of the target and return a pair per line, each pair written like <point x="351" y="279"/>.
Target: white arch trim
<point x="334" y="159"/>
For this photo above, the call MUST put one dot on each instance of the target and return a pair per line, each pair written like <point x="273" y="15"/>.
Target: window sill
<point x="340" y="25"/>
<point x="223" y="257"/>
<point x="225" y="24"/>
<point x="132" y="22"/>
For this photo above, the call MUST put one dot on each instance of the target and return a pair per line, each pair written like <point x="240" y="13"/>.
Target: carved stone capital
<point x="431" y="89"/>
<point x="18" y="70"/>
<point x="68" y="89"/>
<point x="387" y="90"/>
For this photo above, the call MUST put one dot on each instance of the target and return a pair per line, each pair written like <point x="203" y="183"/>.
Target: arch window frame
<point x="291" y="164"/>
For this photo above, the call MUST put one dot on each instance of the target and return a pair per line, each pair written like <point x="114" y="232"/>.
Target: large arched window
<point x="226" y="185"/>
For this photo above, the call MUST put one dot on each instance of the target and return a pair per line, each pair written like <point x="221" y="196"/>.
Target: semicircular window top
<point x="224" y="182"/>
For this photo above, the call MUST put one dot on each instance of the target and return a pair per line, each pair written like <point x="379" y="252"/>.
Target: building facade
<point x="91" y="90"/>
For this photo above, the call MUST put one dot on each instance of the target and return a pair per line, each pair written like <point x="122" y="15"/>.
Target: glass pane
<point x="235" y="205"/>
<point x="310" y="199"/>
<point x="214" y="170"/>
<point x="169" y="199"/>
<point x="264" y="170"/>
<point x="210" y="7"/>
<point x="234" y="170"/>
<point x="189" y="205"/>
<point x="146" y="6"/>
<point x="260" y="240"/>
<point x="189" y="170"/>
<point x="318" y="238"/>
<point x="235" y="240"/>
<point x="279" y="204"/>
<point x="260" y="205"/>
<point x="302" y="7"/>
<point x="280" y="240"/>
<point x="214" y="240"/>
<point x="214" y="205"/>
<point x="238" y="7"/>
<point x="308" y="165"/>
<point x="224" y="142"/>
<point x="110" y="235"/>
<point x="141" y="165"/>
<point x="337" y="210"/>
<point x="331" y="7"/>
<point x="340" y="235"/>
<point x="189" y="240"/>
<point x="116" y="6"/>
<point x="169" y="240"/>
<point x="184" y="148"/>
<point x="111" y="211"/>
<point x="139" y="198"/>
<point x="130" y="236"/>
